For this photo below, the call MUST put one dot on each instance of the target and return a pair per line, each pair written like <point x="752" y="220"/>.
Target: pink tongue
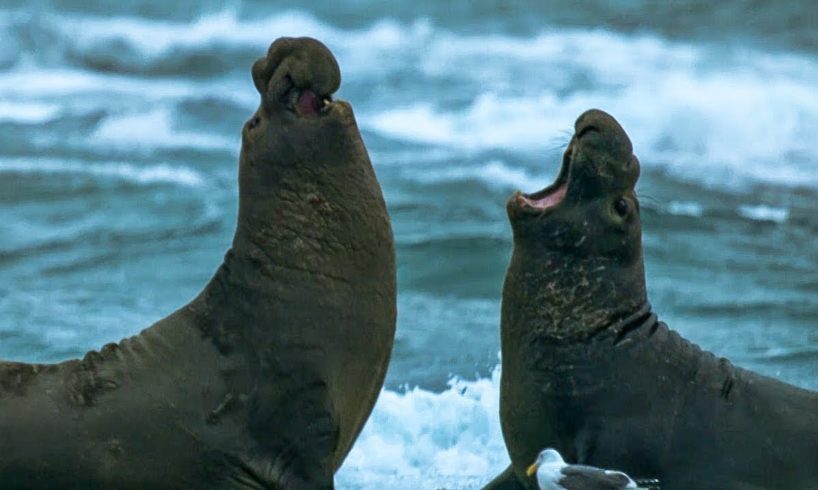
<point x="552" y="199"/>
<point x="308" y="102"/>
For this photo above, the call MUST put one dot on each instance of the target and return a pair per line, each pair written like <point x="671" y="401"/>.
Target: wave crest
<point x="147" y="175"/>
<point x="453" y="438"/>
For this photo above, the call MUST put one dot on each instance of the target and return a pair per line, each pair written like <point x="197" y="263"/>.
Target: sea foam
<point x="57" y="82"/>
<point x="420" y="439"/>
<point x="495" y="173"/>
<point x="685" y="208"/>
<point x="724" y="116"/>
<point x="155" y="129"/>
<point x="27" y="112"/>
<point x="143" y="175"/>
<point x="152" y="38"/>
<point x="744" y="117"/>
<point x="764" y="212"/>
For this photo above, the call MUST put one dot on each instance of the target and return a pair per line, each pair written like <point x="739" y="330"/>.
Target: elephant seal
<point x="265" y="379"/>
<point x="591" y="372"/>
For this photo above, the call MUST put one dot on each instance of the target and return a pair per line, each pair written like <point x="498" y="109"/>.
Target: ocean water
<point x="120" y="131"/>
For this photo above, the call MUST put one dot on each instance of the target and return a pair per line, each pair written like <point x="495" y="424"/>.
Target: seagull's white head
<point x="547" y="457"/>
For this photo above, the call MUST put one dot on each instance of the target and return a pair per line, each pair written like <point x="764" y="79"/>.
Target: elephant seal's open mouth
<point x="308" y="103"/>
<point x="299" y="75"/>
<point x="551" y="195"/>
<point x="599" y="159"/>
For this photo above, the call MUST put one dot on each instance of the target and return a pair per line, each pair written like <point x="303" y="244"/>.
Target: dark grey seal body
<point x="267" y="377"/>
<point x="591" y="372"/>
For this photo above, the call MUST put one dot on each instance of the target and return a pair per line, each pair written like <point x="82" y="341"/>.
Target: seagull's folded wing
<point x="577" y="477"/>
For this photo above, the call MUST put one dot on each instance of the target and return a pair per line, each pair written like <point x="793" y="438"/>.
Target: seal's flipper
<point x="279" y="474"/>
<point x="507" y="480"/>
<point x="300" y="455"/>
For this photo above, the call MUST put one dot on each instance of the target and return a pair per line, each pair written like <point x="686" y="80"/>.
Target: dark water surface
<point x="119" y="137"/>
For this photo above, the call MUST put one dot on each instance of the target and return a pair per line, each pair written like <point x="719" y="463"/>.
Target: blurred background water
<point x="119" y="137"/>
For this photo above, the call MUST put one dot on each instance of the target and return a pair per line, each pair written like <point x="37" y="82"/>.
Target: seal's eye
<point x="621" y="207"/>
<point x="252" y="123"/>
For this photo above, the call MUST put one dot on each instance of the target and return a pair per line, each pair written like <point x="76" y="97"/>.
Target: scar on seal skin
<point x="266" y="378"/>
<point x="591" y="372"/>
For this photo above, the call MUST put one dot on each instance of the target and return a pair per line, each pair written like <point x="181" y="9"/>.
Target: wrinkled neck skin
<point x="552" y="298"/>
<point x="311" y="211"/>
<point x="577" y="266"/>
<point x="313" y="235"/>
<point x="304" y="223"/>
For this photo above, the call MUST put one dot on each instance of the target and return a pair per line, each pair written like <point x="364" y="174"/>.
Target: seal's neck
<point x="641" y="320"/>
<point x="298" y="254"/>
<point x="313" y="223"/>
<point x="563" y="299"/>
<point x="240" y="306"/>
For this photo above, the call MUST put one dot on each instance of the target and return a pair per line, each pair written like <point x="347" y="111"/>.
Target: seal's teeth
<point x="292" y="100"/>
<point x="325" y="104"/>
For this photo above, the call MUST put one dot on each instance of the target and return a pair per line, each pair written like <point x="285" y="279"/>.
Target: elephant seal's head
<point x="577" y="265"/>
<point x="308" y="196"/>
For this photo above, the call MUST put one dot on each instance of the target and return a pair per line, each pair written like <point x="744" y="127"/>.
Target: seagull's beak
<point x="532" y="470"/>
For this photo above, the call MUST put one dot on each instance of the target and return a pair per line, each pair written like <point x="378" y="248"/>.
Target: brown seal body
<point x="591" y="372"/>
<point x="266" y="378"/>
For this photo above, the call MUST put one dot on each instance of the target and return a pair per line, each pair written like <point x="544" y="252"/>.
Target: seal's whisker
<point x="559" y="142"/>
<point x="655" y="202"/>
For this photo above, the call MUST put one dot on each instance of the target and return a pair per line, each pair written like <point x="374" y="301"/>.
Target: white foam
<point x="491" y="121"/>
<point x="421" y="439"/>
<point x="745" y="116"/>
<point x="27" y="112"/>
<point x="494" y="173"/>
<point x="685" y="208"/>
<point x="155" y="129"/>
<point x="156" y="37"/>
<point x="29" y="81"/>
<point x="356" y="49"/>
<point x="30" y="85"/>
<point x="147" y="175"/>
<point x="373" y="49"/>
<point x="723" y="116"/>
<point x="129" y="125"/>
<point x="764" y="212"/>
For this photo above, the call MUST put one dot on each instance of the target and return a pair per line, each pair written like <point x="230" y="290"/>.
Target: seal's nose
<point x="303" y="63"/>
<point x="598" y="131"/>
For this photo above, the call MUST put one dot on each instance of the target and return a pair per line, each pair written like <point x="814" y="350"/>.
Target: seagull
<point x="553" y="473"/>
